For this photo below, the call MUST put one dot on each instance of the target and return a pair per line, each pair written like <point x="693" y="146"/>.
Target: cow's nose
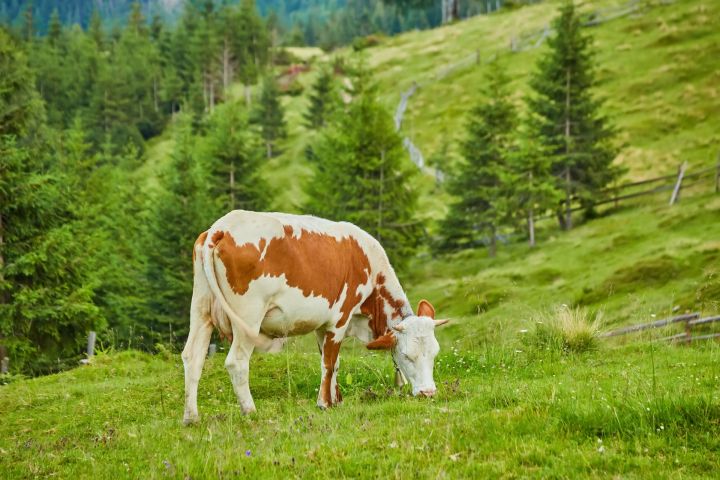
<point x="428" y="393"/>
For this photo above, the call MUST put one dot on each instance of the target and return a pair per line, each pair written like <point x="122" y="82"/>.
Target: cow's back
<point x="293" y="257"/>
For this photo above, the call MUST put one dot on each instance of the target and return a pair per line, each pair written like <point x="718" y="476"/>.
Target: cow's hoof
<point x="191" y="420"/>
<point x="248" y="410"/>
<point x="322" y="406"/>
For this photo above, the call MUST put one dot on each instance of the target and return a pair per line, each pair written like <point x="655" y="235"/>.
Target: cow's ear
<point x="425" y="309"/>
<point x="384" y="342"/>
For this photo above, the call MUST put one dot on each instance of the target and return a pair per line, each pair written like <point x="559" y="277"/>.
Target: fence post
<point x="91" y="344"/>
<point x="676" y="190"/>
<point x="212" y="349"/>
<point x="4" y="360"/>
<point x="477" y="57"/>
<point x="688" y="332"/>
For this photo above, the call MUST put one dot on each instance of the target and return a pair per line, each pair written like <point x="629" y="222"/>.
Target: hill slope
<point x="656" y="65"/>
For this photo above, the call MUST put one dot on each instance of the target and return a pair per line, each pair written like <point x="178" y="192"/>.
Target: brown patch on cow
<point x="425" y="309"/>
<point x="217" y="236"/>
<point x="386" y="341"/>
<point x="316" y="263"/>
<point x="199" y="243"/>
<point x="288" y="229"/>
<point x="330" y="353"/>
<point x="374" y="307"/>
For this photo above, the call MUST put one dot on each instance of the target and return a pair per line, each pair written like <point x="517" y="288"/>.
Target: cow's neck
<point x="387" y="305"/>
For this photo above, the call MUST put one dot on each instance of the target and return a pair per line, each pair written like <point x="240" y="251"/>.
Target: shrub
<point x="565" y="329"/>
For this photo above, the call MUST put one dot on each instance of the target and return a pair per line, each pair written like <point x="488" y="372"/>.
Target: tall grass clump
<point x="565" y="329"/>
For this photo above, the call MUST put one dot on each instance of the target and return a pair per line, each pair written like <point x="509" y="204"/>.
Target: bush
<point x="565" y="329"/>
<point x="361" y="43"/>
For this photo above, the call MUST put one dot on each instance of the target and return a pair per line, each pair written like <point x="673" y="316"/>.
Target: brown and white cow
<point x="262" y="277"/>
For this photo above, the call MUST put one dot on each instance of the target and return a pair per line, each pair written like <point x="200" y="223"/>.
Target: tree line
<point x="88" y="243"/>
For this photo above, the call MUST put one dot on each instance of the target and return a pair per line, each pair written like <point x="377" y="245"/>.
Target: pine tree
<point x="54" y="28"/>
<point x="235" y="157"/>
<point x="363" y="174"/>
<point x="95" y="30"/>
<point x="270" y="115"/>
<point x="251" y="47"/>
<point x="46" y="303"/>
<point x="182" y="211"/>
<point x="20" y="106"/>
<point x="324" y="100"/>
<point x="566" y="117"/>
<point x="534" y="189"/>
<point x="482" y="184"/>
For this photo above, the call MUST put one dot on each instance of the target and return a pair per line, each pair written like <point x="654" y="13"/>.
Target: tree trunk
<point x="155" y="94"/>
<point x="226" y="65"/>
<point x="492" y="248"/>
<point x="380" y="203"/>
<point x="450" y="9"/>
<point x="568" y="198"/>
<point x="232" y="186"/>
<point x="205" y="90"/>
<point x="568" y="186"/>
<point x="247" y="94"/>
<point x="531" y="227"/>
<point x="212" y="95"/>
<point x="268" y="145"/>
<point x="2" y="258"/>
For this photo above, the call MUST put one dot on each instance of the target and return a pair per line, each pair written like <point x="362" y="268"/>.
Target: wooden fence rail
<point x="689" y="319"/>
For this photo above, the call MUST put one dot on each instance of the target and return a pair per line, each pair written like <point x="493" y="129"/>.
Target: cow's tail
<point x="262" y="342"/>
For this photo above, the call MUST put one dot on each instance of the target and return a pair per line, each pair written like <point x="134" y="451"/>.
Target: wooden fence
<point x="689" y="320"/>
<point x="672" y="185"/>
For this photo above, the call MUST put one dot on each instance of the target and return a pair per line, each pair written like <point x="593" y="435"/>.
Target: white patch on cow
<point x="360" y="328"/>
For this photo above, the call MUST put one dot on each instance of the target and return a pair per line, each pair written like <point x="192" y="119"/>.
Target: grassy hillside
<point x="657" y="70"/>
<point x="656" y="67"/>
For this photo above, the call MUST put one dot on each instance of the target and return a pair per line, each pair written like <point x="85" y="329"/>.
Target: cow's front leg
<point x="237" y="364"/>
<point x="329" y="393"/>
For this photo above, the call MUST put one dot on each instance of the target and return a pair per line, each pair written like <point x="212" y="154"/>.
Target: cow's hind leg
<point x="237" y="362"/>
<point x="195" y="350"/>
<point x="329" y="394"/>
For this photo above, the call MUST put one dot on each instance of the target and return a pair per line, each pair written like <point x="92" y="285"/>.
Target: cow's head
<point x="414" y="347"/>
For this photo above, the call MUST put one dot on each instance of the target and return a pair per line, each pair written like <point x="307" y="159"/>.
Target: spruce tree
<point x="534" y="189"/>
<point x="566" y="116"/>
<point x="235" y="155"/>
<point x="46" y="305"/>
<point x="482" y="182"/>
<point x="363" y="173"/>
<point x="180" y="214"/>
<point x="324" y="100"/>
<point x="251" y="45"/>
<point x="270" y="115"/>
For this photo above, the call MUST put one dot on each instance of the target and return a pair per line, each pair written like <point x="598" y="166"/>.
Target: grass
<point x="625" y="411"/>
<point x="507" y="407"/>
<point x="565" y="330"/>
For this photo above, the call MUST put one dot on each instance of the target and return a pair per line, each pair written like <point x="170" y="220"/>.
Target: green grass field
<point x="507" y="405"/>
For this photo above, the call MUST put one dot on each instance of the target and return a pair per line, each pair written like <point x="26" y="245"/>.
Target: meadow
<point x="510" y="404"/>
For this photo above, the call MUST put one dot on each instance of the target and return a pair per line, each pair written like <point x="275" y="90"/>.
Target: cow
<point x="260" y="278"/>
